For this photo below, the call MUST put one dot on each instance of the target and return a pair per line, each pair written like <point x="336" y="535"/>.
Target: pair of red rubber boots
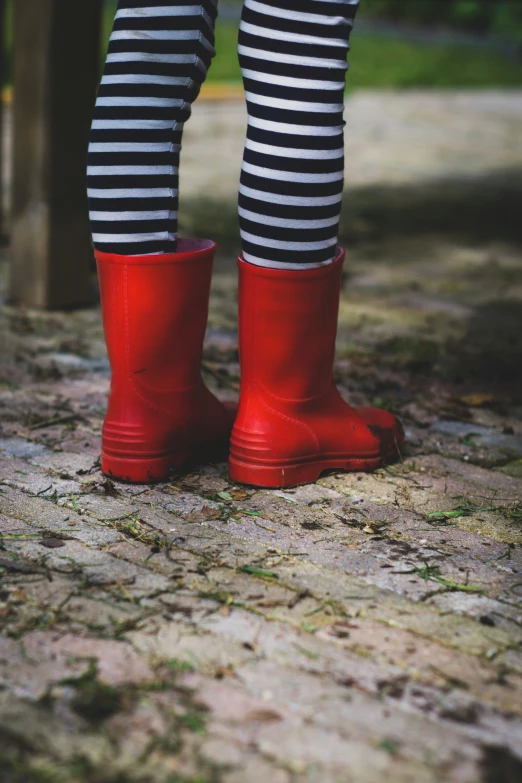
<point x="292" y="423"/>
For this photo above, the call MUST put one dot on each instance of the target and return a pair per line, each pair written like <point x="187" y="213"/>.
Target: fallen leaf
<point x="262" y="715"/>
<point x="94" y="467"/>
<point x="110" y="489"/>
<point x="170" y="489"/>
<point x="52" y="543"/>
<point x="258" y="571"/>
<point x="211" y="513"/>
<point x="312" y="526"/>
<point x="224" y="671"/>
<point x="238" y="494"/>
<point x="458" y="512"/>
<point x="475" y="400"/>
<point x="341" y="630"/>
<point x="298" y="597"/>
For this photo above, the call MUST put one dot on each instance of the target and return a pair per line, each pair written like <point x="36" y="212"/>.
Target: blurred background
<point x="398" y="45"/>
<point x="431" y="323"/>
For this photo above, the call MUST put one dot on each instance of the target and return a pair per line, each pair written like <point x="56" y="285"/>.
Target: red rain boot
<point x="292" y="423"/>
<point x="160" y="415"/>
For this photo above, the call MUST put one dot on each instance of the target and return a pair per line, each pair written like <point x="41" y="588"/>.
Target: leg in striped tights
<point x="292" y="422"/>
<point x="293" y="60"/>
<point x="158" y="57"/>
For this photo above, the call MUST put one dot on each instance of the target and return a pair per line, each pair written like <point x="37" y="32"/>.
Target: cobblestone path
<point x="366" y="628"/>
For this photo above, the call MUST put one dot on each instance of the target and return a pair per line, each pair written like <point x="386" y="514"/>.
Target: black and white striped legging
<point x="293" y="60"/>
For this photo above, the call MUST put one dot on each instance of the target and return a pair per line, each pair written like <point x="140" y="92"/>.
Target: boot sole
<point x="290" y="475"/>
<point x="157" y="469"/>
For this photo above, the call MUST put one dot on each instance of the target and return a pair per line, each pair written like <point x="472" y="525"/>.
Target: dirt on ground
<point x="364" y="628"/>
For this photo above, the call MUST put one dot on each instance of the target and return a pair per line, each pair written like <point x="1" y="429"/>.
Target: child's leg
<point x="293" y="60"/>
<point x="154" y="290"/>
<point x="292" y="422"/>
<point x="158" y="57"/>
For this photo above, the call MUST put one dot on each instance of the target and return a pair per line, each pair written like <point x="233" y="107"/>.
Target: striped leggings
<point x="293" y="61"/>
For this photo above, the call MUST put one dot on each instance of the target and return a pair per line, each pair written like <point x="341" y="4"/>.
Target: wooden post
<point x="55" y="75"/>
<point x="2" y="72"/>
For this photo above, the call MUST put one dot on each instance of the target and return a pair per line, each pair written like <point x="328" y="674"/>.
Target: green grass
<point x="375" y="60"/>
<point x="381" y="61"/>
<point x="393" y="62"/>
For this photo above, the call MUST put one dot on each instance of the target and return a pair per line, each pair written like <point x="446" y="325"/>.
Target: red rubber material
<point x="161" y="417"/>
<point x="292" y="423"/>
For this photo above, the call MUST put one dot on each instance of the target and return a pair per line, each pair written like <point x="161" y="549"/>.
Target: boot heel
<point x="142" y="471"/>
<point x="293" y="475"/>
<point x="272" y="477"/>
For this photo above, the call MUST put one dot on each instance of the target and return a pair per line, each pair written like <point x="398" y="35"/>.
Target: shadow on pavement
<point x="478" y="209"/>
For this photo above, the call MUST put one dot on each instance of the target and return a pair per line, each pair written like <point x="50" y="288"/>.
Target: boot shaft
<point x="154" y="312"/>
<point x="160" y="413"/>
<point x="287" y="328"/>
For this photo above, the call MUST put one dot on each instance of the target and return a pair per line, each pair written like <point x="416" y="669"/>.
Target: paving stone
<point x="23" y="449"/>
<point x="116" y="662"/>
<point x="29" y="671"/>
<point x="507" y="447"/>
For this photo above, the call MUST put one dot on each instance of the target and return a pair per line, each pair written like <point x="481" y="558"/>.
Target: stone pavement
<point x="365" y="628"/>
